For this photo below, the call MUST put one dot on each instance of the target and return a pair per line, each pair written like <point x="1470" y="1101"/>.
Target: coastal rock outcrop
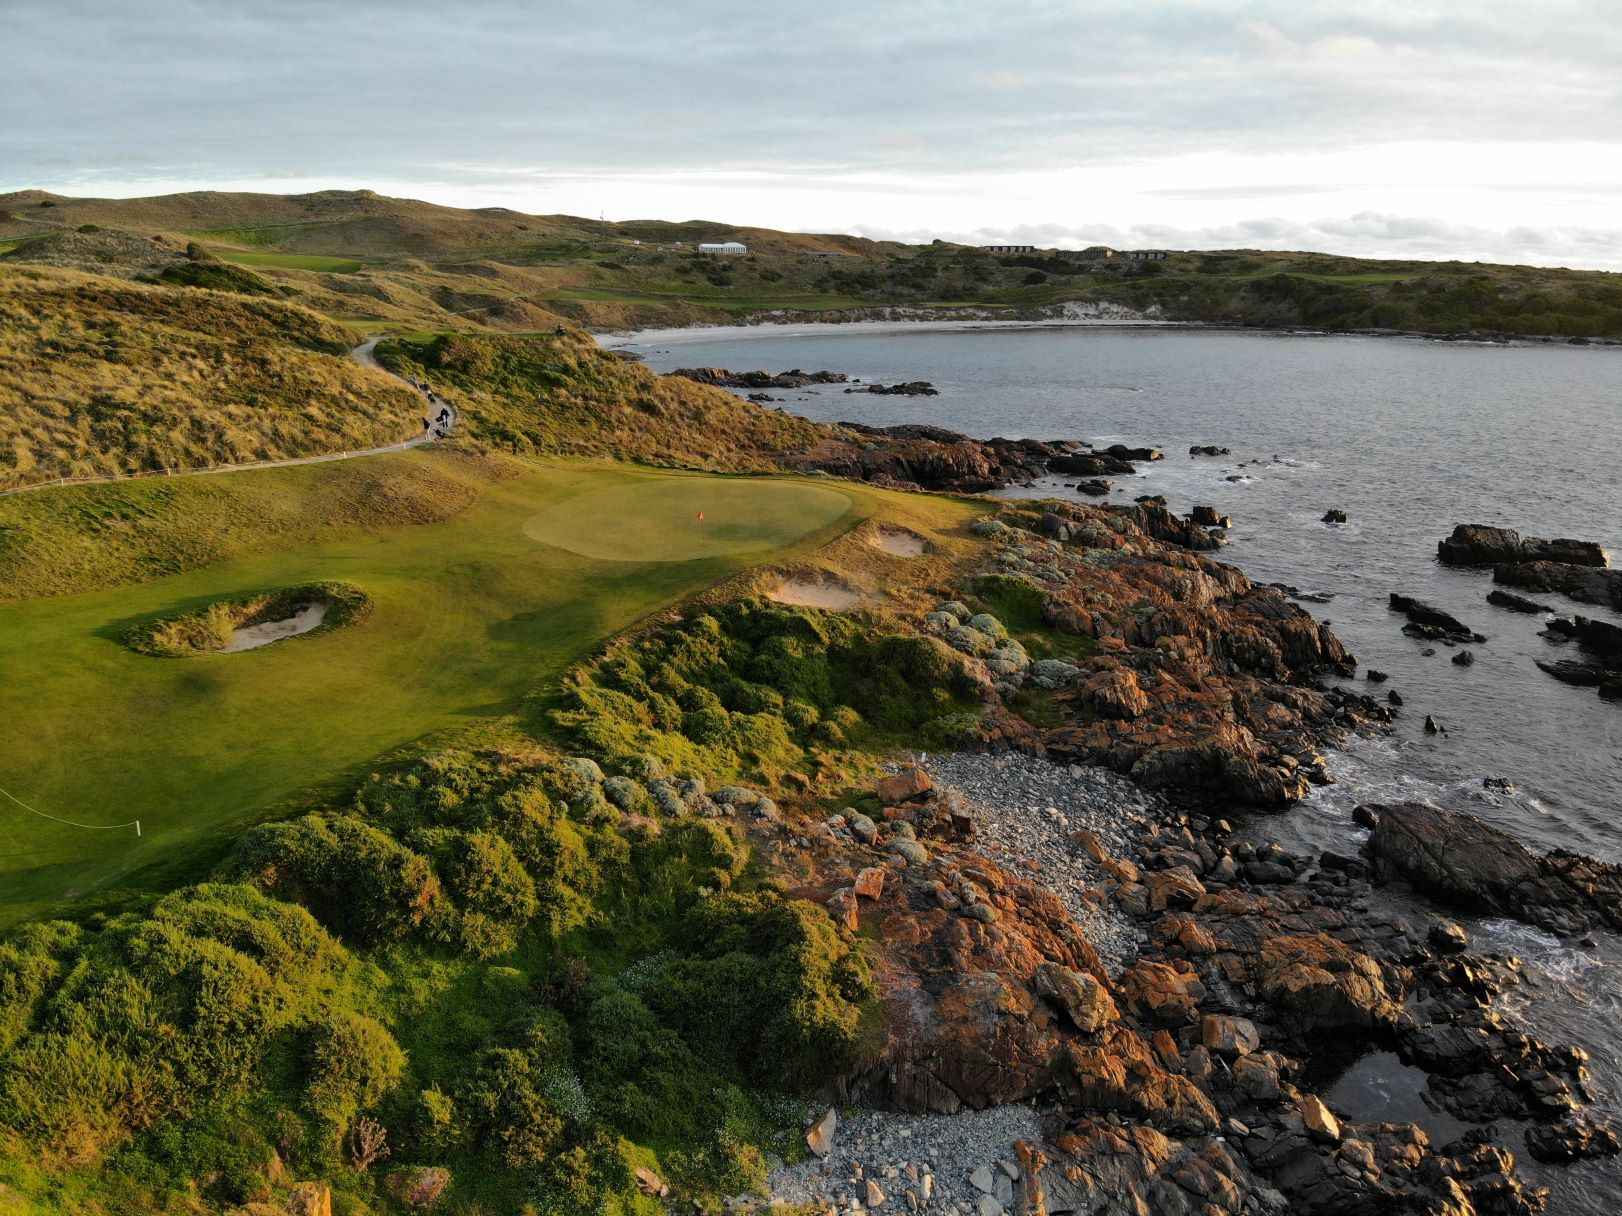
<point x="1585" y="584"/>
<point x="1431" y="623"/>
<point x="1481" y="545"/>
<point x="722" y="378"/>
<point x="1467" y="864"/>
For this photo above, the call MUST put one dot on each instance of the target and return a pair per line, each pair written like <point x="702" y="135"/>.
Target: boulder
<point x="869" y="883"/>
<point x="1334" y="516"/>
<point x="1229" y="1036"/>
<point x="1320" y="1120"/>
<point x="842" y="908"/>
<point x="903" y="786"/>
<point x="1160" y="994"/>
<point x="1516" y="603"/>
<point x="1084" y="1000"/>
<point x="820" y="1137"/>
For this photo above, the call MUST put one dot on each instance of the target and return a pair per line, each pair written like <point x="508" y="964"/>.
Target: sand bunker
<point x="810" y="592"/>
<point x="251" y="637"/>
<point x="898" y="542"/>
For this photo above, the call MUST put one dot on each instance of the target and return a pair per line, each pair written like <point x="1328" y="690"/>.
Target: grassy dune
<point x="470" y="613"/>
<point x="100" y="376"/>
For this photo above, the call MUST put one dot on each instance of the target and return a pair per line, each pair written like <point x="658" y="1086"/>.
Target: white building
<point x="723" y="249"/>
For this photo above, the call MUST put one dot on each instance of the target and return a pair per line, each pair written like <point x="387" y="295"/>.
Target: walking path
<point x="441" y="418"/>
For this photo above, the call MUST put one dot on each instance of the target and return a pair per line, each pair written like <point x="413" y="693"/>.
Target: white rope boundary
<point x="94" y="827"/>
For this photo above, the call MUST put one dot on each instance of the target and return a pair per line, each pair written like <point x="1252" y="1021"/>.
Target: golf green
<point x="681" y="518"/>
<point x="469" y="615"/>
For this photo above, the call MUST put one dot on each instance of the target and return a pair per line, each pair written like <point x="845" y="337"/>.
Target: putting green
<point x="470" y="615"/>
<point x="658" y="520"/>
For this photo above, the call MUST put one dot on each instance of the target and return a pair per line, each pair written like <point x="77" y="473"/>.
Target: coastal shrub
<point x="352" y="1062"/>
<point x="746" y="688"/>
<point x="359" y="881"/>
<point x="209" y="628"/>
<point x="162" y="1013"/>
<point x="772" y="987"/>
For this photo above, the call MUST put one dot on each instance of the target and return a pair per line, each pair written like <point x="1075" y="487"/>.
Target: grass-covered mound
<point x="210" y="628"/>
<point x="101" y="376"/>
<point x="479" y="965"/>
<point x="756" y="689"/>
<point x="560" y="394"/>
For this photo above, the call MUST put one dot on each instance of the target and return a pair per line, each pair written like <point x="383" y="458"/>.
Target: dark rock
<point x="1208" y="449"/>
<point x="728" y="379"/>
<point x="1375" y="677"/>
<point x="1432" y="621"/>
<point x="1334" y="516"/>
<point x="1432" y="726"/>
<point x="1480" y="545"/>
<point x="1207" y="517"/>
<point x="1097" y="487"/>
<point x="1448" y="937"/>
<point x="1585" y="584"/>
<point x="1516" y="603"/>
<point x="1471" y="865"/>
<point x="1571" y="1140"/>
<point x="1394" y="697"/>
<point x="912" y="388"/>
<point x="1464" y="658"/>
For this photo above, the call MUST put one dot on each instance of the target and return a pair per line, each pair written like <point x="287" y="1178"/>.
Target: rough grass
<point x="470" y="614"/>
<point x="102" y="377"/>
<point x="61" y="541"/>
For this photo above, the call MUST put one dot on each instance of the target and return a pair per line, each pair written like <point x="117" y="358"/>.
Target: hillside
<point x="102" y="376"/>
<point x="379" y="263"/>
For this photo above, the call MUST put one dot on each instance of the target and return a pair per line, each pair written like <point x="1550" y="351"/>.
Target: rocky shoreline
<point x="1052" y="936"/>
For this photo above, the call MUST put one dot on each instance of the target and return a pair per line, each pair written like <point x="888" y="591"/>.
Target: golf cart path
<point x="443" y="418"/>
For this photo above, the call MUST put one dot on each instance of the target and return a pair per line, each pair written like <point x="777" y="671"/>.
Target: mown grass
<point x="289" y="261"/>
<point x="100" y="376"/>
<point x="469" y="614"/>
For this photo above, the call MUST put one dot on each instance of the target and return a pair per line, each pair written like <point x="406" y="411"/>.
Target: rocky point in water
<point x="1600" y="664"/>
<point x="723" y="378"/>
<point x="1431" y="623"/>
<point x="1481" y="545"/>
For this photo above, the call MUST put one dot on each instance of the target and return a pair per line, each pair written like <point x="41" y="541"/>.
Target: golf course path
<point x="443" y="416"/>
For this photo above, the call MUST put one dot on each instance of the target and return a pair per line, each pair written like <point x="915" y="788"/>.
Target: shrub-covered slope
<point x="100" y="376"/>
<point x="560" y="394"/>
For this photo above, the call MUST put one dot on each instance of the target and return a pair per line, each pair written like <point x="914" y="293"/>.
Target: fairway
<point x="290" y="261"/>
<point x="469" y="615"/>
<point x="658" y="520"/>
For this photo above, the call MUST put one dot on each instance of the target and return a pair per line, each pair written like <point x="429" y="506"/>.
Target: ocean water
<point x="1408" y="437"/>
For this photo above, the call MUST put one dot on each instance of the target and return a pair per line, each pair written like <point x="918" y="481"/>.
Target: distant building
<point x="1148" y="255"/>
<point x="1093" y="253"/>
<point x="1008" y="248"/>
<point x="723" y="249"/>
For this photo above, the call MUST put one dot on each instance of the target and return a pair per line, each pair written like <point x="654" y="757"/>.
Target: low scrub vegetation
<point x="210" y="628"/>
<point x="482" y="974"/>
<point x="756" y="689"/>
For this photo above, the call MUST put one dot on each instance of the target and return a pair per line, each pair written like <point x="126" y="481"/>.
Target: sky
<point x="1483" y="131"/>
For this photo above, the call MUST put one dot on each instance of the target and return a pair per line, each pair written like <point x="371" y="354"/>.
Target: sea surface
<point x="1408" y="437"/>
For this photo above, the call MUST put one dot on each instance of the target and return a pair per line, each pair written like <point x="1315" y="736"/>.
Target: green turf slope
<point x="471" y="613"/>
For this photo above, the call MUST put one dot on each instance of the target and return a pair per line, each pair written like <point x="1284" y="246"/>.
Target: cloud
<point x="910" y="112"/>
